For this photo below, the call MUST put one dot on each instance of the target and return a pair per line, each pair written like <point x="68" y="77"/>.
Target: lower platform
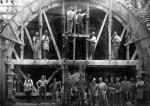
<point x="74" y="62"/>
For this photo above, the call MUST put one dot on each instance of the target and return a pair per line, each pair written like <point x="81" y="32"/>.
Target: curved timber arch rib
<point x="141" y="36"/>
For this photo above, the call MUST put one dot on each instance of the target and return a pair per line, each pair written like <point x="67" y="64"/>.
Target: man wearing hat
<point x="102" y="88"/>
<point x="92" y="92"/>
<point x="118" y="89"/>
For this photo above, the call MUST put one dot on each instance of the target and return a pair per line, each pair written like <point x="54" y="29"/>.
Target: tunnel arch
<point x="141" y="36"/>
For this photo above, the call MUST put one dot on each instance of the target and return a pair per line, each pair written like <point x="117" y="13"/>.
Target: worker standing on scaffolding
<point x="79" y="21"/>
<point x="45" y="42"/>
<point x="115" y="45"/>
<point x="92" y="41"/>
<point x="70" y="19"/>
<point x="65" y="47"/>
<point x="37" y="46"/>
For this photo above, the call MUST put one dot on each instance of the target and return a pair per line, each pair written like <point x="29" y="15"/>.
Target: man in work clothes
<point x="93" y="87"/>
<point x="118" y="90"/>
<point x="67" y="90"/>
<point x="28" y="87"/>
<point x="41" y="84"/>
<point x="92" y="41"/>
<point x="70" y="19"/>
<point x="45" y="42"/>
<point x="79" y="21"/>
<point x="111" y="91"/>
<point x="115" y="45"/>
<point x="102" y="88"/>
<point x="37" y="46"/>
<point x="81" y="86"/>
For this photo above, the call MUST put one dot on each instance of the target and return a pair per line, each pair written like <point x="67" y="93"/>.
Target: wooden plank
<point x="16" y="55"/>
<point x="134" y="55"/>
<point x="52" y="36"/>
<point x="128" y="52"/>
<point x="110" y="31"/>
<point x="71" y="62"/>
<point x="87" y="29"/>
<point x="29" y="38"/>
<point x="101" y="29"/>
<point x="80" y="35"/>
<point x="40" y="30"/>
<point x="22" y="47"/>
<point x="122" y="34"/>
<point x="100" y="32"/>
<point x="54" y="73"/>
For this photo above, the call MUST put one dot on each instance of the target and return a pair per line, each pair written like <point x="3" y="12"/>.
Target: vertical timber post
<point x="40" y="28"/>
<point x="74" y="39"/>
<point x="22" y="36"/>
<point x="110" y="27"/>
<point x="10" y="75"/>
<point x="87" y="29"/>
<point x="127" y="52"/>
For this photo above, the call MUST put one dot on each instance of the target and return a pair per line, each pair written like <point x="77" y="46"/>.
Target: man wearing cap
<point x="118" y="89"/>
<point x="102" y="88"/>
<point x="111" y="91"/>
<point x="93" y="90"/>
<point x="45" y="42"/>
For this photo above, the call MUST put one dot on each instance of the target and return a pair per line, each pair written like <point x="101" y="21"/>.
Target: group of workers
<point x="41" y="85"/>
<point x="71" y="15"/>
<point x="108" y="92"/>
<point x="37" y="41"/>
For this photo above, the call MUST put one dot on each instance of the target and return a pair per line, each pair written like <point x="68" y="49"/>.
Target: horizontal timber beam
<point x="76" y="62"/>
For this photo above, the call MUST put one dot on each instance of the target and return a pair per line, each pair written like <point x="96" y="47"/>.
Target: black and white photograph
<point x="74" y="52"/>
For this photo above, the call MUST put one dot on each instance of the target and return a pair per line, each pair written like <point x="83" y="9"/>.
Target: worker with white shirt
<point x="115" y="45"/>
<point x="92" y="41"/>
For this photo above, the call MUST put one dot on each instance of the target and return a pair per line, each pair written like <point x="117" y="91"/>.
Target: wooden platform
<point x="76" y="62"/>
